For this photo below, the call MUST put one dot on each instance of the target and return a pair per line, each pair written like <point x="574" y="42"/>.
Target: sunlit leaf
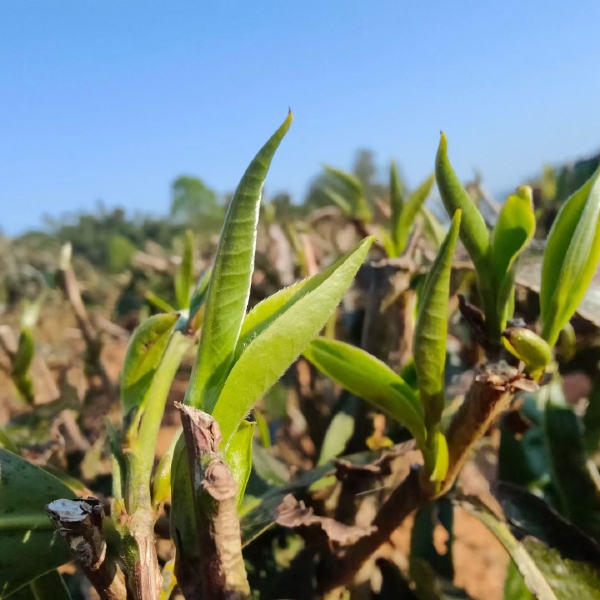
<point x="431" y="330"/>
<point x="571" y="257"/>
<point x="29" y="547"/>
<point x="275" y="348"/>
<point x="144" y="354"/>
<point x="473" y="233"/>
<point x="370" y="379"/>
<point x="229" y="286"/>
<point x="185" y="273"/>
<point x="410" y="210"/>
<point x="239" y="456"/>
<point x="513" y="231"/>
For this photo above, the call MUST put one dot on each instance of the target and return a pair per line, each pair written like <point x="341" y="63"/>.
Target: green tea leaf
<point x="142" y="462"/>
<point x="432" y="227"/>
<point x="200" y="293"/>
<point x="338" y="200"/>
<point x="431" y="330"/>
<point x="357" y="203"/>
<point x="229" y="287"/>
<point x="185" y="273"/>
<point x="275" y="348"/>
<point x="473" y="234"/>
<point x="161" y="482"/>
<point x="370" y="379"/>
<point x="239" y="456"/>
<point x="473" y="231"/>
<point x="410" y="210"/>
<point x="574" y="476"/>
<point x="25" y="351"/>
<point x="571" y="257"/>
<point x="144" y="354"/>
<point x="513" y="231"/>
<point x="396" y="198"/>
<point x="50" y="587"/>
<point x="29" y="547"/>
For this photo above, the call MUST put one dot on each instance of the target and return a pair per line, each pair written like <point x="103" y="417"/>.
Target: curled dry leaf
<point x="293" y="514"/>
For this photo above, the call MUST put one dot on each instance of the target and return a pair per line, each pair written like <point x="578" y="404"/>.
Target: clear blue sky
<point x="112" y="99"/>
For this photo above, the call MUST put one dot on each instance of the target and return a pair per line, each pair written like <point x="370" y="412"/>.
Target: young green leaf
<point x="229" y="287"/>
<point x="432" y="227"/>
<point x="571" y="257"/>
<point x="28" y="545"/>
<point x="185" y="273"/>
<point x="275" y="348"/>
<point x="338" y="200"/>
<point x="199" y="294"/>
<point x="270" y="309"/>
<point x="473" y="234"/>
<point x="161" y="482"/>
<point x="473" y="231"/>
<point x="410" y="210"/>
<point x="396" y="199"/>
<point x="431" y="330"/>
<point x="149" y="426"/>
<point x="513" y="231"/>
<point x="144" y="354"/>
<point x="370" y="379"/>
<point x="359" y="207"/>
<point x="239" y="456"/>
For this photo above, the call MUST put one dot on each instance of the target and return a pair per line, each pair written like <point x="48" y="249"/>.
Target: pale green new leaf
<point x="432" y="227"/>
<point x="229" y="286"/>
<point x="370" y="379"/>
<point x="431" y="329"/>
<point x="571" y="257"/>
<point x="267" y="356"/>
<point x="144" y="355"/>
<point x="338" y="200"/>
<point x="270" y="309"/>
<point x="473" y="234"/>
<point x="409" y="212"/>
<point x="396" y="199"/>
<point x="29" y="545"/>
<point x="239" y="456"/>
<point x="185" y="273"/>
<point x="513" y="231"/>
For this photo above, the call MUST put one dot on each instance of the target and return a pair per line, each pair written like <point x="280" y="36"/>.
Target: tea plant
<point x="216" y="523"/>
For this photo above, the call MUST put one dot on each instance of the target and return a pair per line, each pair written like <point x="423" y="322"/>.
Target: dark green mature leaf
<point x="513" y="231"/>
<point x="144" y="354"/>
<point x="409" y="212"/>
<point x="229" y="286"/>
<point x="431" y="330"/>
<point x="185" y="273"/>
<point x="574" y="476"/>
<point x="537" y="563"/>
<point x="422" y="545"/>
<point x="571" y="257"/>
<point x="370" y="379"/>
<point x="50" y="587"/>
<point x="239" y="456"/>
<point x="29" y="547"/>
<point x="275" y="348"/>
